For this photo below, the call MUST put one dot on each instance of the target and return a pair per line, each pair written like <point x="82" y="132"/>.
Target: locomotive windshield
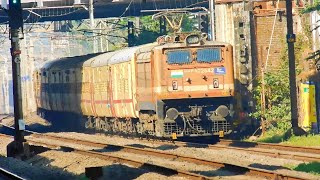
<point x="179" y="57"/>
<point x="208" y="55"/>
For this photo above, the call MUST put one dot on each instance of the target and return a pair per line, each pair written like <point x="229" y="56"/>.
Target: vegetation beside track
<point x="282" y="134"/>
<point x="309" y="140"/>
<point x="277" y="96"/>
<point x="312" y="167"/>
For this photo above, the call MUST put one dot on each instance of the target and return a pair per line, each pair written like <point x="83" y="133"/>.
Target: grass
<point x="312" y="167"/>
<point x="284" y="138"/>
<point x="310" y="140"/>
<point x="275" y="136"/>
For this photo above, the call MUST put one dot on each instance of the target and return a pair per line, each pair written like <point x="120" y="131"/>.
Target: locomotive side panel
<point x="123" y="99"/>
<point x="104" y="88"/>
<point x="73" y="91"/>
<point x="144" y="82"/>
<point x="66" y="90"/>
<point x="78" y="86"/>
<point x="96" y="82"/>
<point x="86" y="107"/>
<point x="53" y="90"/>
<point x="44" y="90"/>
<point x="59" y="91"/>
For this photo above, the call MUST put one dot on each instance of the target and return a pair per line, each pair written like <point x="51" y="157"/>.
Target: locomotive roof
<point x="68" y="62"/>
<point x="116" y="57"/>
<point x="126" y="54"/>
<point x="207" y="43"/>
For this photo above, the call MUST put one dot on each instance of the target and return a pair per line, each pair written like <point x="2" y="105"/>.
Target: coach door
<point x="144" y="83"/>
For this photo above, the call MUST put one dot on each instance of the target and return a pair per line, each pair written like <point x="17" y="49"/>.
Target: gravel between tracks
<point x="3" y="145"/>
<point x="57" y="165"/>
<point x="30" y="120"/>
<point x="57" y="162"/>
<point x="227" y="156"/>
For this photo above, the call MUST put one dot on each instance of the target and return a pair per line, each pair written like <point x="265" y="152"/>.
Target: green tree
<point x="312" y="7"/>
<point x="150" y="28"/>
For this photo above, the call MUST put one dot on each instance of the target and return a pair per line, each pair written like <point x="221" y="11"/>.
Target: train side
<point x="164" y="89"/>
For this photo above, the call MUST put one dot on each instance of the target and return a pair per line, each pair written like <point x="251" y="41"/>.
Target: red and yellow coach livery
<point x="181" y="85"/>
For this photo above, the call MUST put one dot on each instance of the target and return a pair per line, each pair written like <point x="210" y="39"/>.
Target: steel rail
<point x="255" y="147"/>
<point x="289" y="152"/>
<point x="270" y="146"/>
<point x="285" y="155"/>
<point x="142" y="165"/>
<point x="6" y="175"/>
<point x="235" y="144"/>
<point x="249" y="147"/>
<point x="6" y="136"/>
<point x="230" y="167"/>
<point x="139" y="164"/>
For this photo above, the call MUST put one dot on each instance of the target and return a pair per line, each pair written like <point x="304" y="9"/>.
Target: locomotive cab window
<point x="208" y="55"/>
<point x="179" y="57"/>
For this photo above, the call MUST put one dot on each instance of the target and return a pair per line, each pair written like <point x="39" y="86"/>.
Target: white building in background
<point x="315" y="23"/>
<point x="5" y="79"/>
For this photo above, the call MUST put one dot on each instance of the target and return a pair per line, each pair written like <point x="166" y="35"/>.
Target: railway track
<point x="249" y="171"/>
<point x="270" y="146"/>
<point x="256" y="148"/>
<point x="6" y="136"/>
<point x="138" y="164"/>
<point x="306" y="154"/>
<point x="6" y="175"/>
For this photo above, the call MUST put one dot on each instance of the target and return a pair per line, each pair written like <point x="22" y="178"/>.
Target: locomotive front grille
<point x="210" y="128"/>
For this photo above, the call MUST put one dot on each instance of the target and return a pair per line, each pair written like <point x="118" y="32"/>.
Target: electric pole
<point x="16" y="148"/>
<point x="212" y="19"/>
<point x="92" y="25"/>
<point x="291" y="38"/>
<point x="131" y="40"/>
<point x="91" y="15"/>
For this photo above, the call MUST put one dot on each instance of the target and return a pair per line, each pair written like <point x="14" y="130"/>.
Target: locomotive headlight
<point x="172" y="113"/>
<point x="223" y="111"/>
<point x="193" y="39"/>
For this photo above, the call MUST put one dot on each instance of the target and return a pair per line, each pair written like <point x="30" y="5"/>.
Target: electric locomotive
<point x="181" y="85"/>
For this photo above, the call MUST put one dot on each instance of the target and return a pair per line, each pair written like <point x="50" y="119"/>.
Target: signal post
<point x="17" y="148"/>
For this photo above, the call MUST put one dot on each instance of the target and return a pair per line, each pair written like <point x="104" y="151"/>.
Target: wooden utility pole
<point x="292" y="67"/>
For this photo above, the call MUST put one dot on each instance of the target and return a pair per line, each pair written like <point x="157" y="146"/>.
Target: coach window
<point x="67" y="75"/>
<point x="54" y="77"/>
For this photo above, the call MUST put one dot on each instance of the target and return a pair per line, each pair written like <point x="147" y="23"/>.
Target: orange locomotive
<point x="182" y="85"/>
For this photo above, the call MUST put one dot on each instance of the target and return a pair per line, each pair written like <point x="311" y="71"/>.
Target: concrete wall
<point x="315" y="22"/>
<point x="233" y="26"/>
